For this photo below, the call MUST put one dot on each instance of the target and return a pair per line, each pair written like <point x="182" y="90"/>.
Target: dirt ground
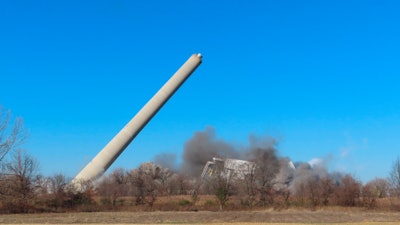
<point x="206" y="217"/>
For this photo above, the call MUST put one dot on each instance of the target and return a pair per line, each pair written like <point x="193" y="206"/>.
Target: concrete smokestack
<point x="117" y="145"/>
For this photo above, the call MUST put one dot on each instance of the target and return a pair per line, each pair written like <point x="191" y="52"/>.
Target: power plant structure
<point x="104" y="159"/>
<point x="228" y="168"/>
<point x="237" y="169"/>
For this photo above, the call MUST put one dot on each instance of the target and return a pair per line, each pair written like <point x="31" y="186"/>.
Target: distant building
<point x="228" y="168"/>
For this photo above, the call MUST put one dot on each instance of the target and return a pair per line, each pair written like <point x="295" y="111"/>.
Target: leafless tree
<point x="326" y="186"/>
<point x="221" y="184"/>
<point x="313" y="191"/>
<point x="106" y="190"/>
<point x="370" y="194"/>
<point x="282" y="198"/>
<point x="57" y="186"/>
<point x="317" y="190"/>
<point x="248" y="183"/>
<point x="164" y="176"/>
<point x="146" y="182"/>
<point x="266" y="170"/>
<point x="113" y="186"/>
<point x="347" y="193"/>
<point x="136" y="179"/>
<point x="12" y="133"/>
<point x="42" y="185"/>
<point x="17" y="182"/>
<point x="192" y="187"/>
<point x="222" y="188"/>
<point x="379" y="187"/>
<point x="394" y="178"/>
<point x="176" y="185"/>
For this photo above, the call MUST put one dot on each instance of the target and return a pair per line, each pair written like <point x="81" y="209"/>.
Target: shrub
<point x="184" y="202"/>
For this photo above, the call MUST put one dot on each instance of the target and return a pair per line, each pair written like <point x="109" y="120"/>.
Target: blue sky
<point x="319" y="76"/>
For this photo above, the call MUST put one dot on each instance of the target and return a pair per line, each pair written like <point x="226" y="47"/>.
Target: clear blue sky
<point x="320" y="76"/>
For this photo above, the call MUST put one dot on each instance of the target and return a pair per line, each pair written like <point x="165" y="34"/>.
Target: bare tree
<point x="326" y="186"/>
<point x="164" y="176"/>
<point x="106" y="190"/>
<point x="146" y="182"/>
<point x="113" y="186"/>
<point x="222" y="188"/>
<point x="379" y="187"/>
<point x="318" y="190"/>
<point x="347" y="193"/>
<point x="175" y="185"/>
<point x="12" y="133"/>
<point x="58" y="191"/>
<point x="371" y="191"/>
<point x="137" y="182"/>
<point x="220" y="184"/>
<point x="313" y="191"/>
<point x="394" y="178"/>
<point x="42" y="185"/>
<point x="82" y="198"/>
<point x="248" y="184"/>
<point x="17" y="184"/>
<point x="266" y="170"/>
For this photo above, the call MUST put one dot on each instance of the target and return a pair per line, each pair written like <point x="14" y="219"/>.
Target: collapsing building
<point x="228" y="168"/>
<point x="236" y="169"/>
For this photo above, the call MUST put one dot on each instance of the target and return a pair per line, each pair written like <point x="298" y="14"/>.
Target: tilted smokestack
<point x="117" y="145"/>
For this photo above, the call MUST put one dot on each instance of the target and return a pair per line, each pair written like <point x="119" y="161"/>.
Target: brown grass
<point x="179" y="210"/>
<point x="359" y="223"/>
<point x="292" y="217"/>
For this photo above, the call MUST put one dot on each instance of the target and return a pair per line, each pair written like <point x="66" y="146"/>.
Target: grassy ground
<point x="359" y="223"/>
<point x="292" y="217"/>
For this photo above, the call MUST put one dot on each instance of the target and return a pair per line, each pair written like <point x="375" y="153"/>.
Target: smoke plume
<point x="167" y="160"/>
<point x="202" y="147"/>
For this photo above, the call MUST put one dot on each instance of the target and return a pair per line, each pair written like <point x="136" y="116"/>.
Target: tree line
<point x="268" y="184"/>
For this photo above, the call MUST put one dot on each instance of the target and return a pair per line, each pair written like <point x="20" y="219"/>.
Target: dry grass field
<point x="169" y="211"/>
<point x="292" y="217"/>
